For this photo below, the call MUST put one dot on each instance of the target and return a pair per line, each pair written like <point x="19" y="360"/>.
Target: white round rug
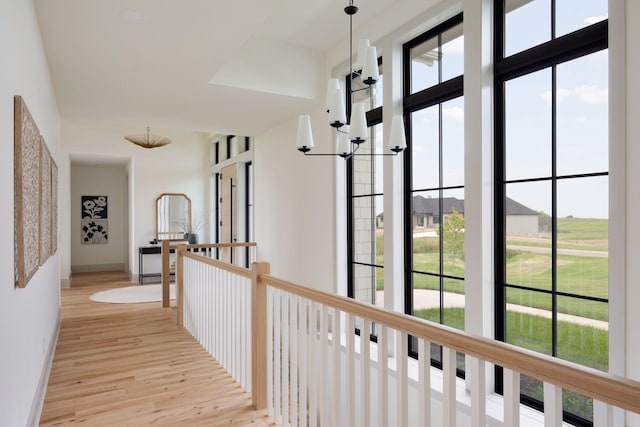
<point x="133" y="294"/>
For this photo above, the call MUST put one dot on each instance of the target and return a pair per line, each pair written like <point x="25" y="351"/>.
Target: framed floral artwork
<point x="94" y="207"/>
<point x="95" y="231"/>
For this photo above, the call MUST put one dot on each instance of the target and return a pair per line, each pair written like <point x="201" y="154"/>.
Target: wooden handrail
<point x="240" y="271"/>
<point x="223" y="245"/>
<point x="618" y="391"/>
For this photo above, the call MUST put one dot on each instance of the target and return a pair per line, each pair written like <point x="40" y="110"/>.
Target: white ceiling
<point x="170" y="63"/>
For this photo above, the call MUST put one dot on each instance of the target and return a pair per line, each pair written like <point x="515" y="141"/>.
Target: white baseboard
<point x="65" y="283"/>
<point x="97" y="268"/>
<point x="41" y="391"/>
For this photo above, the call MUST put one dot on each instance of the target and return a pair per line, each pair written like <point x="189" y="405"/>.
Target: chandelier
<point x="147" y="140"/>
<point x="351" y="134"/>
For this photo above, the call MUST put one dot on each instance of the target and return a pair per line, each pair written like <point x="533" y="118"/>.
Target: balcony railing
<point x="294" y="349"/>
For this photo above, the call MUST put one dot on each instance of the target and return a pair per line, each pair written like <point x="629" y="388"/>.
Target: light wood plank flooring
<point x="131" y="365"/>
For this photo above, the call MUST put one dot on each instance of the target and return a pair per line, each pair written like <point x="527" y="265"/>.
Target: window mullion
<point x="554" y="214"/>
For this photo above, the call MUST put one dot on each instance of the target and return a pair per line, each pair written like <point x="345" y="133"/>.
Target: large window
<point x="551" y="191"/>
<point x="434" y="177"/>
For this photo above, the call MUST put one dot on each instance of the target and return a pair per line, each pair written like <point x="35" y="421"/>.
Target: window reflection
<point x="438" y="59"/>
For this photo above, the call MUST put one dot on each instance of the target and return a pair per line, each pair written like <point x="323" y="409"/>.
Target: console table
<point x="148" y="250"/>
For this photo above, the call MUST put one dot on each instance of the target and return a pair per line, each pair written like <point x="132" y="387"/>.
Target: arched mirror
<point x="173" y="216"/>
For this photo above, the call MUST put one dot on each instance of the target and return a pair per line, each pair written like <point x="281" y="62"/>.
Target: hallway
<point x="130" y="364"/>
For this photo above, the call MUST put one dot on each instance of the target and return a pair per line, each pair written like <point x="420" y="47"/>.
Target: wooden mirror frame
<point x="171" y="235"/>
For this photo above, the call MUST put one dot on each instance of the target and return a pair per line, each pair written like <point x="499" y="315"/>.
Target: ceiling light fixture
<point x="352" y="133"/>
<point x="148" y="140"/>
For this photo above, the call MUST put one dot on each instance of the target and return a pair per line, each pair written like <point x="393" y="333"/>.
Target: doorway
<point x="228" y="225"/>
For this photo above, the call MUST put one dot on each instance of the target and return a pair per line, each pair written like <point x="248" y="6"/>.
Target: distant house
<point x="426" y="214"/>
<point x="521" y="219"/>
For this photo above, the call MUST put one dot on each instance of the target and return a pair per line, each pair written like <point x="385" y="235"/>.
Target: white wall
<point x="180" y="167"/>
<point x="29" y="316"/>
<point x="294" y="204"/>
<point x="92" y="180"/>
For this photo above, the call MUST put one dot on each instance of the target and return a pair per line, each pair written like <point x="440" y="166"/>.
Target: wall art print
<point x="54" y="207"/>
<point x="45" y="202"/>
<point x="27" y="176"/>
<point x="94" y="207"/>
<point x="95" y="231"/>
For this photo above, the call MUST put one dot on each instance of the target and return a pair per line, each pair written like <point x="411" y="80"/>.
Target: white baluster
<point x="476" y="371"/>
<point x="424" y="383"/>
<point x="350" y="335"/>
<point x="511" y="392"/>
<point x="303" y="336"/>
<point x="323" y="383"/>
<point x="270" y="339"/>
<point x="247" y="333"/>
<point x="602" y="414"/>
<point x="401" y="379"/>
<point x="277" y="359"/>
<point x="285" y="358"/>
<point x="216" y="314"/>
<point x="337" y="376"/>
<point x="365" y="372"/>
<point x="552" y="405"/>
<point x="313" y="364"/>
<point x="383" y="376"/>
<point x="449" y="386"/>
<point x="293" y="376"/>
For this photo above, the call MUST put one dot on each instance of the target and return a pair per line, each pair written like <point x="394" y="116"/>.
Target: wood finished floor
<point x="131" y="365"/>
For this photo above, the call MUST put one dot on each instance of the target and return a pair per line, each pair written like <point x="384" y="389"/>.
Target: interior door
<point x="228" y="207"/>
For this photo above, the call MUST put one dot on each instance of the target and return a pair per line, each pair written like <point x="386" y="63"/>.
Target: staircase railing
<point x="294" y="349"/>
<point x="242" y="254"/>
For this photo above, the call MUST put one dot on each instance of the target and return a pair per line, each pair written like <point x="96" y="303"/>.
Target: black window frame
<point x="412" y="102"/>
<point x="248" y="208"/>
<point x="557" y="50"/>
<point x="229" y="138"/>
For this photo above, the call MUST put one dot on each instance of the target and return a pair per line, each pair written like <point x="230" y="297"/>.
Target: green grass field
<point x="586" y="234"/>
<point x="580" y="275"/>
<point x="581" y="229"/>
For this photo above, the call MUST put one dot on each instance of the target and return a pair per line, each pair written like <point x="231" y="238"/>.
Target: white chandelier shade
<point x="337" y="111"/>
<point x="370" y="74"/>
<point x="363" y="48"/>
<point x="397" y="141"/>
<point x="358" y="124"/>
<point x="332" y="84"/>
<point x="304" y="139"/>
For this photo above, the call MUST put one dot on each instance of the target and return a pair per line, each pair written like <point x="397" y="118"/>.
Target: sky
<point x="582" y="117"/>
